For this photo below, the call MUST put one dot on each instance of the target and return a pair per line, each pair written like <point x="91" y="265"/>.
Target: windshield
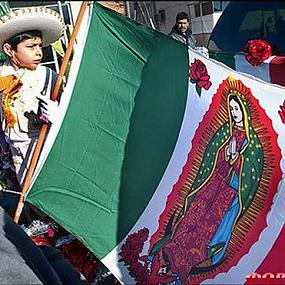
<point x="242" y="21"/>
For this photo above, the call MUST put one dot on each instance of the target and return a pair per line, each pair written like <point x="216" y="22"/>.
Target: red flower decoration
<point x="130" y="255"/>
<point x="199" y="75"/>
<point x="257" y="51"/>
<point x="40" y="240"/>
<point x="281" y="112"/>
<point x="81" y="258"/>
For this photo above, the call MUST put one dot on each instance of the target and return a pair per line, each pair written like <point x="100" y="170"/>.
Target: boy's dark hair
<point x="14" y="41"/>
<point x="182" y="16"/>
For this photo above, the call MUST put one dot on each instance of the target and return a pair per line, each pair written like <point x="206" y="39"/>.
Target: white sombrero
<point x="43" y="19"/>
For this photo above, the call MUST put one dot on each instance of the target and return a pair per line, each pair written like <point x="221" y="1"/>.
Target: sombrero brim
<point x="43" y="19"/>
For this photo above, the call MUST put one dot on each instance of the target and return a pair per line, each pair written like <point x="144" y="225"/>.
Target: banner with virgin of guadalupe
<point x="219" y="206"/>
<point x="179" y="177"/>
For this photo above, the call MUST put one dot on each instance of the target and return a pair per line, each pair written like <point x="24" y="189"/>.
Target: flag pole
<point x="44" y="128"/>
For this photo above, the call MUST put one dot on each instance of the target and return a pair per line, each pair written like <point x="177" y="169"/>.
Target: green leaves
<point x="199" y="90"/>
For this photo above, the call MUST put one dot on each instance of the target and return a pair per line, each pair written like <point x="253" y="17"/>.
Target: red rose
<point x="143" y="233"/>
<point x="198" y="74"/>
<point x="257" y="51"/>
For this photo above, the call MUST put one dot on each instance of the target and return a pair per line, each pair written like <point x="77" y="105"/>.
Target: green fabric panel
<point x="154" y="127"/>
<point x="4" y="9"/>
<point x="118" y="133"/>
<point x="226" y="58"/>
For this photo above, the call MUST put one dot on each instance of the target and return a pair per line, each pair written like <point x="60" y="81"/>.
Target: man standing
<point x="181" y="31"/>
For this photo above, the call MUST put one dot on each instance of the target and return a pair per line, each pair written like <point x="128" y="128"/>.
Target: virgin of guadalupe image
<point x="225" y="191"/>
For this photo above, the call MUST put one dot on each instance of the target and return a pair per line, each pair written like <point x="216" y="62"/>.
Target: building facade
<point x="160" y="15"/>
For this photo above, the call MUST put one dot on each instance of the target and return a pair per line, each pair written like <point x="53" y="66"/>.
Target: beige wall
<point x="202" y="39"/>
<point x="171" y="9"/>
<point x="118" y="6"/>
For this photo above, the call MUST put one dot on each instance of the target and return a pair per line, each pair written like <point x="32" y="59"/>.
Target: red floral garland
<point x="257" y="51"/>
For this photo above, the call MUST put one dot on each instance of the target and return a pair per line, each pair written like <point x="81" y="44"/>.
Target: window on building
<point x="224" y="4"/>
<point x="207" y="8"/>
<point x="159" y="18"/>
<point x="156" y="20"/>
<point x="220" y="5"/>
<point x="217" y="6"/>
<point x="162" y="16"/>
<point x="197" y="10"/>
<point x="204" y="8"/>
<point x="135" y="11"/>
<point x="191" y="11"/>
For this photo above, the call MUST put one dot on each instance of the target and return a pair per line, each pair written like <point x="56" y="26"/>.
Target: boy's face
<point x="28" y="54"/>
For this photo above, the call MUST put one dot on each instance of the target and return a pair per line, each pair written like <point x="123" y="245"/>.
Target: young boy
<point x="26" y="86"/>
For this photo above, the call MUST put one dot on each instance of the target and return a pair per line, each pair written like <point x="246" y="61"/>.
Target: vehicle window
<point x="251" y="26"/>
<point x="280" y="21"/>
<point x="242" y="21"/>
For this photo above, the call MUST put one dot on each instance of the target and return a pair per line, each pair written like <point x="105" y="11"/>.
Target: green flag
<point x="162" y="159"/>
<point x="122" y="124"/>
<point x="4" y="9"/>
<point x="58" y="47"/>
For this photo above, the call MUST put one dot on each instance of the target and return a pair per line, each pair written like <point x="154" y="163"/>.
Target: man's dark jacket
<point x="22" y="262"/>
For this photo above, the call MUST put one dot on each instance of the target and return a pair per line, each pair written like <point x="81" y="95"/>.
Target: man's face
<point x="182" y="25"/>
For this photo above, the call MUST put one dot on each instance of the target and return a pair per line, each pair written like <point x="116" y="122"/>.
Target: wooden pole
<point x="44" y="128"/>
